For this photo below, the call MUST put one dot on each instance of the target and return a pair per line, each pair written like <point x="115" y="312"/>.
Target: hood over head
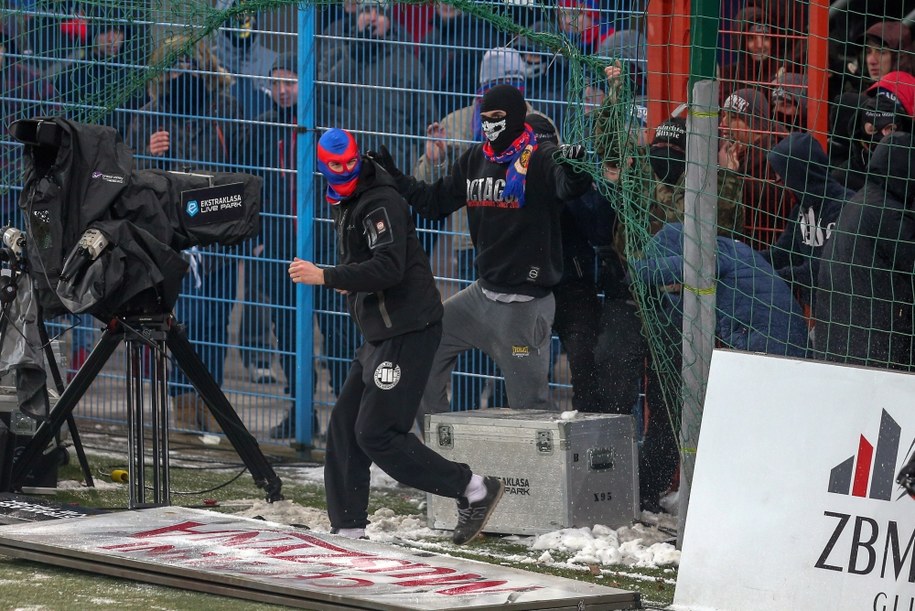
<point x="544" y="130"/>
<point x="892" y="165"/>
<point x="501" y="65"/>
<point x="804" y="167"/>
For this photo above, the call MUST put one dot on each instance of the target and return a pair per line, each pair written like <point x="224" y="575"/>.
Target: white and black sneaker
<point x="349" y="533"/>
<point x="472" y="517"/>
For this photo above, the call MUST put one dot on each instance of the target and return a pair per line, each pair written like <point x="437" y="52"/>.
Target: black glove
<point x="572" y="151"/>
<point x="384" y="159"/>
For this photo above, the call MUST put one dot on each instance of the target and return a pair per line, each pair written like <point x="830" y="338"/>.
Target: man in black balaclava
<point x="514" y="188"/>
<point x="186" y="91"/>
<point x="875" y="118"/>
<point x="502" y="113"/>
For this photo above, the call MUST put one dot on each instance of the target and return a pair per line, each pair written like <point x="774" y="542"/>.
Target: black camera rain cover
<point x="69" y="183"/>
<point x="84" y="178"/>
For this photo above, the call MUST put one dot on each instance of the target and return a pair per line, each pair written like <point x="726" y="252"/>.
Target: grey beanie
<point x="793" y="86"/>
<point x="502" y="64"/>
<point x="752" y="105"/>
<point x="286" y="61"/>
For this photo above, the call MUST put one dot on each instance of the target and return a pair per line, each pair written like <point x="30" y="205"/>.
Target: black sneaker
<point x="472" y="517"/>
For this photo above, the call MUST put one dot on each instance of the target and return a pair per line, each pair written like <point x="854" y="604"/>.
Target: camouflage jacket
<point x="645" y="204"/>
<point x="671" y="198"/>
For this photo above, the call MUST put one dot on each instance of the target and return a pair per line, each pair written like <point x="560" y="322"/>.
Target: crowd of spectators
<point x="813" y="228"/>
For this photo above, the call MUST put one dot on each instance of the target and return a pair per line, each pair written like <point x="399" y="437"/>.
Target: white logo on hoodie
<point x="812" y="231"/>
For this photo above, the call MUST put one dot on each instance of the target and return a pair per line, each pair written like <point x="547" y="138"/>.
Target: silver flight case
<point x="558" y="472"/>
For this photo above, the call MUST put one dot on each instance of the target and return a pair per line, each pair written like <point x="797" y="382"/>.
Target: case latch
<point x="600" y="459"/>
<point x="545" y="442"/>
<point x="445" y="436"/>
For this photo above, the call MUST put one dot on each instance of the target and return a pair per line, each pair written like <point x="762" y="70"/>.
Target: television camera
<point x="106" y="239"/>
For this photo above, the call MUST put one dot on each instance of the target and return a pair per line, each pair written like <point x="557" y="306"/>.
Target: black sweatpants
<point x="577" y="322"/>
<point x="371" y="422"/>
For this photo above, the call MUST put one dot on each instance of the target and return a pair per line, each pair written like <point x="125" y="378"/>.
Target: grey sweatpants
<point x="516" y="336"/>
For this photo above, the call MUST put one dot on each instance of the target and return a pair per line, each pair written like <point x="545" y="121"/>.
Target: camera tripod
<point x="158" y="332"/>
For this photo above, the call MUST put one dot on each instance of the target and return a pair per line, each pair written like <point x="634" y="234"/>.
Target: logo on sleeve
<point x="378" y="228"/>
<point x="387" y="375"/>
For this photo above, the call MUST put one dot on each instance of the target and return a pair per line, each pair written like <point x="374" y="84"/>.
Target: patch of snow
<point x="78" y="486"/>
<point x="386" y="526"/>
<point x="287" y="512"/>
<point x="647" y="543"/>
<point x="638" y="545"/>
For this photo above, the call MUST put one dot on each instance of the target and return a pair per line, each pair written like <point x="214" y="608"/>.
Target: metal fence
<point x="253" y="97"/>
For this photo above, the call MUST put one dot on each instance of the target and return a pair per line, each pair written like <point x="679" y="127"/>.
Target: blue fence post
<point x="305" y="165"/>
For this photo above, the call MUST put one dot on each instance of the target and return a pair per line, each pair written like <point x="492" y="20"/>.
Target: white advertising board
<point x="267" y="562"/>
<point x="794" y="503"/>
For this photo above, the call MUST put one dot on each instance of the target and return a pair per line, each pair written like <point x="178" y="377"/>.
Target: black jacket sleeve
<point x="435" y="201"/>
<point x="568" y="181"/>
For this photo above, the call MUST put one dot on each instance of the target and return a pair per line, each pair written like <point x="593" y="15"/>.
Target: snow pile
<point x="315" y="475"/>
<point x="286" y="512"/>
<point x="638" y="545"/>
<point x="386" y="526"/>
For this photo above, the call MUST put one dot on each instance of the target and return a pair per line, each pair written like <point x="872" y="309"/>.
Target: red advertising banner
<point x="259" y="560"/>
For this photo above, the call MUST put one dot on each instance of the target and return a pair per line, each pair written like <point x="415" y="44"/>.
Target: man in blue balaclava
<point x="390" y="292"/>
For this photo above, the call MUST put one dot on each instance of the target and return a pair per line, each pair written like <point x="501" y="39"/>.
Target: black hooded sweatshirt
<point x="518" y="248"/>
<point x="804" y="167"/>
<point x="864" y="310"/>
<point x="380" y="262"/>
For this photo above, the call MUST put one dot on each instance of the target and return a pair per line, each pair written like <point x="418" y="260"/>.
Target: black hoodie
<point x="804" y="167"/>
<point x="380" y="262"/>
<point x="518" y="248"/>
<point x="864" y="310"/>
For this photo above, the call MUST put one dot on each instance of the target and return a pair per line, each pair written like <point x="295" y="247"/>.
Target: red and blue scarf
<point x="518" y="156"/>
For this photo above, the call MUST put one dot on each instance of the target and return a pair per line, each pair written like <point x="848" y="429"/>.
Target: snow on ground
<point x="75" y="486"/>
<point x="644" y="544"/>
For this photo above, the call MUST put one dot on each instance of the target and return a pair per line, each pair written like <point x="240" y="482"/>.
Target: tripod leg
<point x="64" y="408"/>
<point x="238" y="435"/>
<point x="136" y="446"/>
<point x="59" y="385"/>
<point x="80" y="452"/>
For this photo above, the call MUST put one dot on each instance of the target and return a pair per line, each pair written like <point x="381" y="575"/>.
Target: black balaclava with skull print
<point x="502" y="132"/>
